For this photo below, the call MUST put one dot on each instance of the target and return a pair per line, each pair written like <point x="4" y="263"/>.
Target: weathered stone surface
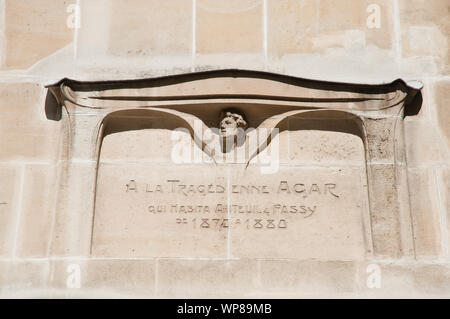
<point x="312" y="26"/>
<point x="3" y="268"/>
<point x="71" y="235"/>
<point x="26" y="279"/>
<point x="442" y="100"/>
<point x="159" y="211"/>
<point x="229" y="35"/>
<point x="229" y="27"/>
<point x="336" y="141"/>
<point x="380" y="134"/>
<point x="405" y="280"/>
<point x="37" y="211"/>
<point x="216" y="278"/>
<point x="135" y="33"/>
<point x="289" y="24"/>
<point x="121" y="277"/>
<point x="425" y="29"/>
<point x="425" y="210"/>
<point x="423" y="144"/>
<point x="294" y="213"/>
<point x="134" y="38"/>
<point x="61" y="269"/>
<point x="307" y="279"/>
<point x="383" y="202"/>
<point x="309" y="38"/>
<point x="34" y="30"/>
<point x="348" y="16"/>
<point x="133" y="132"/>
<point x="9" y="207"/>
<point x="444" y="192"/>
<point x="25" y="132"/>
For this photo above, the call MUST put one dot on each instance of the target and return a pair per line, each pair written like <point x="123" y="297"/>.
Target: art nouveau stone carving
<point x="230" y="123"/>
<point x="95" y="218"/>
<point x="232" y="128"/>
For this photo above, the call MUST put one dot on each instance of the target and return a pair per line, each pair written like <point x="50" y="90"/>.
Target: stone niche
<point x="232" y="164"/>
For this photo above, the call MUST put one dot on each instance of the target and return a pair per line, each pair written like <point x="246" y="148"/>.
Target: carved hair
<point x="233" y="116"/>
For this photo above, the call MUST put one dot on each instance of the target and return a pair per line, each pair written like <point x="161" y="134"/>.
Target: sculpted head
<point x="231" y="122"/>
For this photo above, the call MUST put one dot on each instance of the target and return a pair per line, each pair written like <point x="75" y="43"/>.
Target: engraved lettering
<point x="205" y="223"/>
<point x="258" y="224"/>
<point x="173" y="181"/>
<point x="314" y="188"/>
<point x="331" y="186"/>
<point x="131" y="186"/>
<point x="284" y="187"/>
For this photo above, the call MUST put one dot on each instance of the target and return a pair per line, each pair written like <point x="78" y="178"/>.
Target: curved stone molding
<point x="377" y="111"/>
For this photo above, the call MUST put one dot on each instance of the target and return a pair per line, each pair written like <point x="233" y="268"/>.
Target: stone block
<point x="307" y="279"/>
<point x="143" y="28"/>
<point x="37" y="210"/>
<point x="10" y="187"/>
<point x="424" y="145"/>
<point x="403" y="280"/>
<point x="25" y="132"/>
<point x="315" y="27"/>
<point x="444" y="192"/>
<point x="125" y="278"/>
<point x="425" y="212"/>
<point x="425" y="29"/>
<point x="229" y="27"/>
<point x="442" y="101"/>
<point x="213" y="279"/>
<point x="34" y="30"/>
<point x="26" y="279"/>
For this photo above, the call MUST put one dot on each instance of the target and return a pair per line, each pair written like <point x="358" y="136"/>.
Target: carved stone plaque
<point x="312" y="206"/>
<point x="334" y="186"/>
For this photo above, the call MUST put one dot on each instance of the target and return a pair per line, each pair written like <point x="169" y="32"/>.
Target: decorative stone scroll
<point x="239" y="99"/>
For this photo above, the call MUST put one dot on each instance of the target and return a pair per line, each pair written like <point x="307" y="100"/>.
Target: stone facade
<point x="92" y="91"/>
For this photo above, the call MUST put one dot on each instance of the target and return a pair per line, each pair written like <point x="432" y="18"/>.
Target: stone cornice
<point x="235" y="86"/>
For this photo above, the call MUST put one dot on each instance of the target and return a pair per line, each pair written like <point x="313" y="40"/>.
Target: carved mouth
<point x="228" y="131"/>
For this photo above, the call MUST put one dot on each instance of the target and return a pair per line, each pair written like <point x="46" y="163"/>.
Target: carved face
<point x="230" y="123"/>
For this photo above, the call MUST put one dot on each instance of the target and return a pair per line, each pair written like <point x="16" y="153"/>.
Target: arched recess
<point x="127" y="242"/>
<point x="128" y="227"/>
<point x="343" y="212"/>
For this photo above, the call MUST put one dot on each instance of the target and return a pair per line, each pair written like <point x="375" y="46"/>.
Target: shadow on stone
<point x="413" y="107"/>
<point x="52" y="108"/>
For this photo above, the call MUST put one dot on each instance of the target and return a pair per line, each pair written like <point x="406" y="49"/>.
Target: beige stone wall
<point x="319" y="39"/>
